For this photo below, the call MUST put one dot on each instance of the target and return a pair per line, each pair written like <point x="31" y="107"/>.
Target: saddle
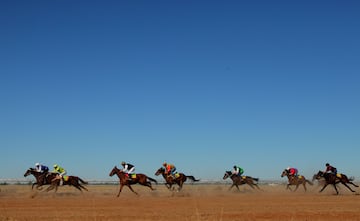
<point x="65" y="178"/>
<point x="175" y="176"/>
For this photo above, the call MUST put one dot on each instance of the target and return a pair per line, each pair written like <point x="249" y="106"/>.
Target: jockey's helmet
<point x="37" y="164"/>
<point x="55" y="166"/>
<point x="123" y="163"/>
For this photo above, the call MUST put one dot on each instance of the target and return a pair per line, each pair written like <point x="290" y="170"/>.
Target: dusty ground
<point x="195" y="202"/>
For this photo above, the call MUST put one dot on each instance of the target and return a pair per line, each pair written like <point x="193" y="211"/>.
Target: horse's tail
<point x="256" y="179"/>
<point x="82" y="181"/>
<point x="309" y="182"/>
<point x="351" y="178"/>
<point x="153" y="180"/>
<point x="192" y="178"/>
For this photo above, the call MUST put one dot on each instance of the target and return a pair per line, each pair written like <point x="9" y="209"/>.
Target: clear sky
<point x="201" y="84"/>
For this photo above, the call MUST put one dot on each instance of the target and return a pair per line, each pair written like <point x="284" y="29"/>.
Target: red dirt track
<point x="195" y="202"/>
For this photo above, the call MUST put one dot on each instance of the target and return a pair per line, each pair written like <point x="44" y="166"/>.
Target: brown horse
<point x="41" y="178"/>
<point x="141" y="179"/>
<point x="333" y="179"/>
<point x="179" y="178"/>
<point x="295" y="180"/>
<point x="238" y="180"/>
<point x="68" y="180"/>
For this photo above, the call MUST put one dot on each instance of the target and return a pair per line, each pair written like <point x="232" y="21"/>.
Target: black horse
<point x="41" y="178"/>
<point x="240" y="180"/>
<point x="334" y="179"/>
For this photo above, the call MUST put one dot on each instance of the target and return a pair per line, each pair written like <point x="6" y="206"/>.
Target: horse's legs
<point x="78" y="187"/>
<point x="83" y="187"/>
<point x="148" y="184"/>
<point x="288" y="187"/>
<point x="132" y="189"/>
<point x="51" y="187"/>
<point x="257" y="186"/>
<point x="324" y="187"/>
<point x="251" y="184"/>
<point x="121" y="186"/>
<point x="353" y="184"/>
<point x="304" y="185"/>
<point x="297" y="186"/>
<point x="168" y="185"/>
<point x="337" y="192"/>
<point x="348" y="187"/>
<point x="180" y="185"/>
<point x="231" y="186"/>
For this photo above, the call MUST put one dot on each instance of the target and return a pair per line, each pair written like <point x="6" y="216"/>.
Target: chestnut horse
<point x="295" y="180"/>
<point x="46" y="179"/>
<point x="178" y="179"/>
<point x="141" y="179"/>
<point x="68" y="180"/>
<point x="41" y="178"/>
<point x="237" y="180"/>
<point x="333" y="179"/>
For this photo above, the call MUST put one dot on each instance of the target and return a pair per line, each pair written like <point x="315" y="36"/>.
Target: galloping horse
<point x="141" y="179"/>
<point x="295" y="180"/>
<point x="333" y="179"/>
<point x="179" y="179"/>
<point x="68" y="180"/>
<point x="237" y="180"/>
<point x="41" y="178"/>
<point x="47" y="179"/>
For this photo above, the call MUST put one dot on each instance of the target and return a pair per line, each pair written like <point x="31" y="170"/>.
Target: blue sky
<point x="204" y="85"/>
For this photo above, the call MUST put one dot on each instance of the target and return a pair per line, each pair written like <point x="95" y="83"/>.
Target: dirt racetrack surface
<point x="194" y="202"/>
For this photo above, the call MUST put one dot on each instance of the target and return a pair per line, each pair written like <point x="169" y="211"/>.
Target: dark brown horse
<point x="41" y="178"/>
<point x="141" y="179"/>
<point x="295" y="180"/>
<point x="240" y="180"/>
<point x="179" y="178"/>
<point x="333" y="179"/>
<point x="68" y="180"/>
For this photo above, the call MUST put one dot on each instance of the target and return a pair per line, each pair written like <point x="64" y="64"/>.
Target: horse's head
<point x="285" y="173"/>
<point x="29" y="171"/>
<point x="114" y="171"/>
<point x="227" y="175"/>
<point x="161" y="170"/>
<point x="319" y="175"/>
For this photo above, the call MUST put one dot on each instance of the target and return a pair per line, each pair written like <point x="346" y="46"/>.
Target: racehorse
<point x="238" y="180"/>
<point x="179" y="178"/>
<point x="47" y="179"/>
<point x="334" y="179"/>
<point x="141" y="179"/>
<point x="295" y="180"/>
<point x="68" y="180"/>
<point x="41" y="178"/>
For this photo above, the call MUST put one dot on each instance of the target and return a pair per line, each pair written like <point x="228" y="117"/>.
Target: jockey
<point x="60" y="172"/>
<point x="292" y="171"/>
<point x="330" y="169"/>
<point x="128" y="169"/>
<point x="169" y="169"/>
<point x="238" y="171"/>
<point x="41" y="168"/>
